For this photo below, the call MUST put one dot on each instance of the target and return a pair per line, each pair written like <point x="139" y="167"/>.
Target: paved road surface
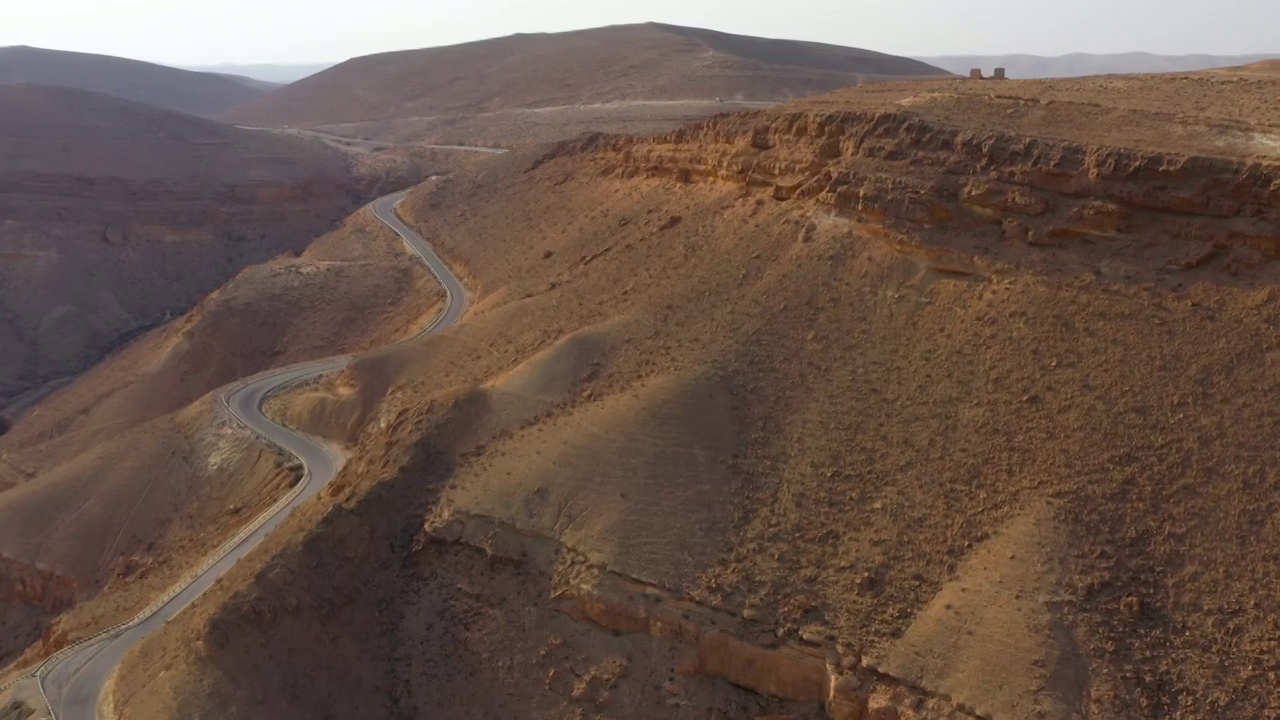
<point x="74" y="682"/>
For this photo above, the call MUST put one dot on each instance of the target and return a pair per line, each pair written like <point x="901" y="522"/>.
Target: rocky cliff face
<point x="981" y="202"/>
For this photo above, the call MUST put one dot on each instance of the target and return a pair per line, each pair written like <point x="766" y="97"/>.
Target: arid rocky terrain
<point x="139" y="465"/>
<point x="932" y="399"/>
<point x="148" y="257"/>
<point x="118" y="216"/>
<point x="486" y="89"/>
<point x="194" y="93"/>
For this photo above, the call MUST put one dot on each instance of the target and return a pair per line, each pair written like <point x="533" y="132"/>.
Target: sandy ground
<point x="649" y="61"/>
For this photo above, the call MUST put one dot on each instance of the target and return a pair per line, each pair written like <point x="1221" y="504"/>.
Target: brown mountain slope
<point x="627" y="63"/>
<point x="127" y="476"/>
<point x="913" y="401"/>
<point x="195" y="93"/>
<point x="119" y="215"/>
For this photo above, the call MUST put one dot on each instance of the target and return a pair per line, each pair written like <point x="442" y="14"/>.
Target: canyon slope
<point x="438" y="93"/>
<point x="921" y="400"/>
<point x="194" y="93"/>
<point x="116" y="484"/>
<point x="119" y="216"/>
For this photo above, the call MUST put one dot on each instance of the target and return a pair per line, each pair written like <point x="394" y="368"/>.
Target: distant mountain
<point x="1079" y="64"/>
<point x="255" y="83"/>
<point x="267" y="72"/>
<point x="194" y="93"/>
<point x="618" y="63"/>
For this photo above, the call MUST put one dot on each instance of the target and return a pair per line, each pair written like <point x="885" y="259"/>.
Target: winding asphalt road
<point x="72" y="681"/>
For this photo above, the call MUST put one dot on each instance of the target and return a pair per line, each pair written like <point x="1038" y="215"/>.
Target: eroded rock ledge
<point x="973" y="193"/>
<point x="818" y="670"/>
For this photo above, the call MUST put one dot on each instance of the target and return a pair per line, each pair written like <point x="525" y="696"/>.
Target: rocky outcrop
<point x="811" y="669"/>
<point x="30" y="597"/>
<point x="25" y="584"/>
<point x="977" y="194"/>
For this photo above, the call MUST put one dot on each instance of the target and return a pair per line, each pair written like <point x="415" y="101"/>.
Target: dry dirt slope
<point x="626" y="62"/>
<point x="866" y="403"/>
<point x="118" y="215"/>
<point x="196" y="93"/>
<point x="127" y="476"/>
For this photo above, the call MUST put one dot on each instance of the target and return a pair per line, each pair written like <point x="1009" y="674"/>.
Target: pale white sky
<point x="188" y="32"/>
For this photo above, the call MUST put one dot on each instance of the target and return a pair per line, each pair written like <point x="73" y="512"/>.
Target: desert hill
<point x="619" y="63"/>
<point x="119" y="215"/>
<point x="1082" y="64"/>
<point x="195" y="93"/>
<point x="907" y="401"/>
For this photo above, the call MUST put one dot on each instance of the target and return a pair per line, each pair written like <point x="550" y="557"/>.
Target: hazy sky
<point x="200" y="31"/>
